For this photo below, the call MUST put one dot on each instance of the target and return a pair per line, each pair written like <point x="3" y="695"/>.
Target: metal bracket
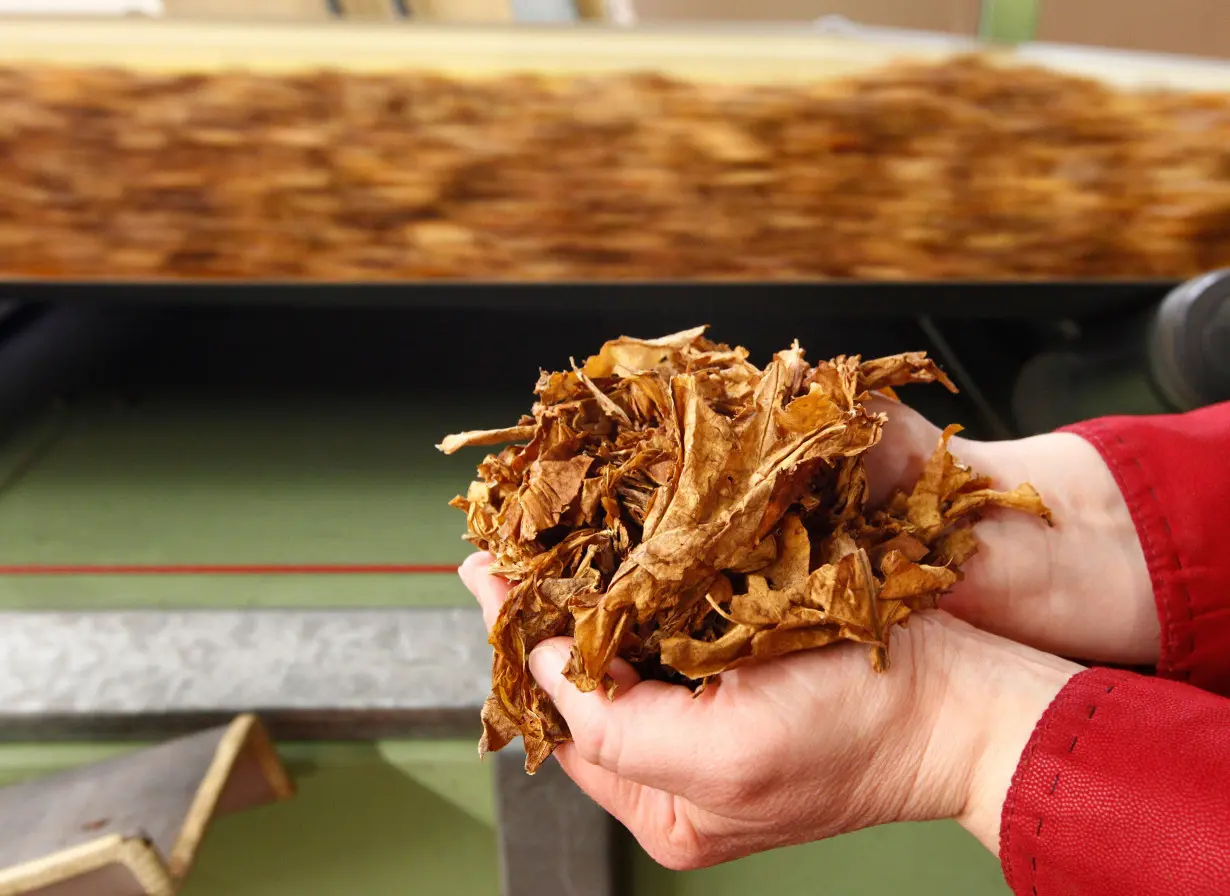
<point x="310" y="674"/>
<point x="133" y="824"/>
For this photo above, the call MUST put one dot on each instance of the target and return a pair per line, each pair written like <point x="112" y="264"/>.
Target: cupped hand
<point x="803" y="747"/>
<point x="1080" y="589"/>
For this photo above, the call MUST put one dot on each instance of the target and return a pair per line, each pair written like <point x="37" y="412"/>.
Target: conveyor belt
<point x="453" y="217"/>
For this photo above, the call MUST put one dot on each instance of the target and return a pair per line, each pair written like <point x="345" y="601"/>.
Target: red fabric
<point x="1124" y="788"/>
<point x="1174" y="472"/>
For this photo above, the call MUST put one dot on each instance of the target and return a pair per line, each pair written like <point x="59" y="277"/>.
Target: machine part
<point x="554" y="840"/>
<point x="133" y="824"/>
<point x="1172" y="358"/>
<point x="1057" y="388"/>
<point x="1190" y="342"/>
<point x="347" y="674"/>
<point x="948" y="357"/>
<point x="824" y="299"/>
<point x="50" y="349"/>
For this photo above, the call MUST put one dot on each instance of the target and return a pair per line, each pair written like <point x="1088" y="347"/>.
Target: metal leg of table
<point x="553" y="839"/>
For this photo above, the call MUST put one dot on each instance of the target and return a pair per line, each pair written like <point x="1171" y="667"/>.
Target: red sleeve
<point x="1174" y="472"/>
<point x="1123" y="790"/>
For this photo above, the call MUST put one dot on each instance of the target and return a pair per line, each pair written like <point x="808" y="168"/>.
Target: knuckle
<point x="674" y="842"/>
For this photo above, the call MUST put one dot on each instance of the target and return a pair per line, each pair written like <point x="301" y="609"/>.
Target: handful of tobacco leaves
<point x="672" y="504"/>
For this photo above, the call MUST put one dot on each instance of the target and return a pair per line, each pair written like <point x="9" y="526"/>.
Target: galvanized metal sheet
<point x="308" y="674"/>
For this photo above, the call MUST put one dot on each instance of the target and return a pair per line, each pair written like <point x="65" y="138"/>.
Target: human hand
<point x="1080" y="589"/>
<point x="805" y="746"/>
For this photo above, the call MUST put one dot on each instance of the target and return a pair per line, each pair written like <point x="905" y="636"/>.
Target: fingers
<point x="490" y="591"/>
<point x="632" y="751"/>
<point x="651" y="733"/>
<point x="618" y="796"/>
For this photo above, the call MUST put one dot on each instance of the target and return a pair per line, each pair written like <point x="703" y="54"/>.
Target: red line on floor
<point x="224" y="569"/>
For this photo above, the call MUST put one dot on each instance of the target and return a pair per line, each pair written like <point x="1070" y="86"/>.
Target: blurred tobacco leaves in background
<point x="954" y="170"/>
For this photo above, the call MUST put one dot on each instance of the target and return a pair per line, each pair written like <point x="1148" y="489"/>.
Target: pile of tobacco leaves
<point x="670" y="503"/>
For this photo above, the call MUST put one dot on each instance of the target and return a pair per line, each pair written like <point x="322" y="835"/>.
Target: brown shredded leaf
<point x="483" y="437"/>
<point x="669" y="503"/>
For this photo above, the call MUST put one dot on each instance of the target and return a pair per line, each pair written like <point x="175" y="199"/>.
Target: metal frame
<point x="989" y="300"/>
<point x="308" y="674"/>
<point x="553" y="838"/>
<point x="144" y="812"/>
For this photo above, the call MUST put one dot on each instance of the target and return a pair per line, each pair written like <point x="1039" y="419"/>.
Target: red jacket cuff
<point x="1123" y="789"/>
<point x="1174" y="472"/>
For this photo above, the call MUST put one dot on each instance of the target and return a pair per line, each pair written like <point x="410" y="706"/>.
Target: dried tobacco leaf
<point x="670" y="503"/>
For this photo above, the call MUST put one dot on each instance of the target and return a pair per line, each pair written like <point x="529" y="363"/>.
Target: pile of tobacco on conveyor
<point x="670" y="503"/>
<point x="960" y="169"/>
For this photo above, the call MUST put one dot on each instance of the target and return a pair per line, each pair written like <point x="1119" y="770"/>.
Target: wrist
<point x="1087" y="573"/>
<point x="975" y="698"/>
<point x="1000" y="690"/>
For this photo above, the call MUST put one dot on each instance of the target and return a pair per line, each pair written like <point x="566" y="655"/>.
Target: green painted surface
<point x="394" y="817"/>
<point x="448" y="768"/>
<point x="83" y="592"/>
<point x="21" y="761"/>
<point x="916" y="859"/>
<point x="257" y="482"/>
<point x="359" y="827"/>
<point x="235" y="484"/>
<point x="1008" y="21"/>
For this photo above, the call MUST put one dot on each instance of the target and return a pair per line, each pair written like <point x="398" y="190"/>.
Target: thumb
<point x="649" y="732"/>
<point x="549" y="659"/>
<point x="906" y="442"/>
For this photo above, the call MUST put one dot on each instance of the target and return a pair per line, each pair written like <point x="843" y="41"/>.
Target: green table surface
<point x="219" y="483"/>
<point x="194" y="479"/>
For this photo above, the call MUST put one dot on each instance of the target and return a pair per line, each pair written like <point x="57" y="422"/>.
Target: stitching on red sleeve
<point x="1033" y="859"/>
<point x="1007" y="825"/>
<point x="1183" y="674"/>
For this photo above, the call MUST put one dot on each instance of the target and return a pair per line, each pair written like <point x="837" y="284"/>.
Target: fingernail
<point x="547" y="666"/>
